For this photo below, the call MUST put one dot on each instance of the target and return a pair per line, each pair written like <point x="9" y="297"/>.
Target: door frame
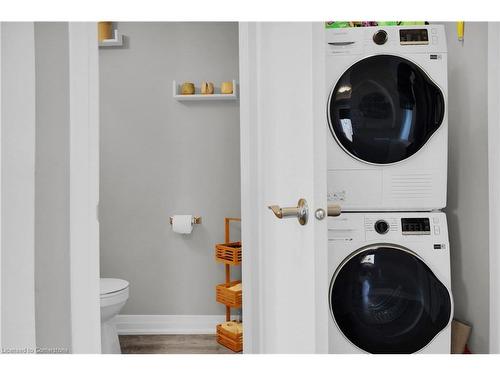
<point x="494" y="182"/>
<point x="251" y="270"/>
<point x="84" y="187"/>
<point x="252" y="197"/>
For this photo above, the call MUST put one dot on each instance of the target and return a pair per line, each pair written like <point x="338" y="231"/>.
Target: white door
<point x="283" y="151"/>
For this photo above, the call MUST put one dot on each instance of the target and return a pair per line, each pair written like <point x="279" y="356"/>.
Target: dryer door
<point x="386" y="300"/>
<point x="384" y="109"/>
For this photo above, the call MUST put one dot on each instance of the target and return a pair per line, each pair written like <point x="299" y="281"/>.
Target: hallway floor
<point x="171" y="344"/>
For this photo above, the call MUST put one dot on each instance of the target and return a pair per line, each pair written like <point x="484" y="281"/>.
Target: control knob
<point x="380" y="37"/>
<point x="382" y="226"/>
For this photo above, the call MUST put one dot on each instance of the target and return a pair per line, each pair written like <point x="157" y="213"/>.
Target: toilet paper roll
<point x="182" y="224"/>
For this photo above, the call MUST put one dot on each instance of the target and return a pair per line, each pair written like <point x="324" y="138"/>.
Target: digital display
<point x="413" y="36"/>
<point x="416" y="225"/>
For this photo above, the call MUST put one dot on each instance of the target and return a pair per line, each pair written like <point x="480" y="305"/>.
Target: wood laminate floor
<point x="171" y="344"/>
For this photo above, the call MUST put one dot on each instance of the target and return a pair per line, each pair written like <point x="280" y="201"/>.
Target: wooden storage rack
<point x="230" y="339"/>
<point x="227" y="296"/>
<point x="229" y="253"/>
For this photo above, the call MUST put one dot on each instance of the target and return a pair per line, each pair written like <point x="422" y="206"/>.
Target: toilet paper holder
<point x="196" y="220"/>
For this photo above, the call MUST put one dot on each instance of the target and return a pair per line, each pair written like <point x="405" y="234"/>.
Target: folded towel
<point x="236" y="287"/>
<point x="234" y="327"/>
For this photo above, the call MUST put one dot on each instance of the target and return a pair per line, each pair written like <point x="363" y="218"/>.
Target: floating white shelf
<point x="197" y="96"/>
<point x="117" y="41"/>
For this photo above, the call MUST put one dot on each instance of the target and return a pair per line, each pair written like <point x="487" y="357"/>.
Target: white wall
<point x="467" y="208"/>
<point x="18" y="180"/>
<point x="161" y="157"/>
<point x="53" y="325"/>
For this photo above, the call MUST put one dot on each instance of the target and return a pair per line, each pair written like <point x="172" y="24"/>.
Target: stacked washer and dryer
<point x="389" y="254"/>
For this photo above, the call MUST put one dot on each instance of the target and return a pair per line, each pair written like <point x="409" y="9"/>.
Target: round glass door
<point x="384" y="109"/>
<point x="386" y="300"/>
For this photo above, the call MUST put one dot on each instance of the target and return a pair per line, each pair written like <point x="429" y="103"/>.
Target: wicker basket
<point x="230" y="339"/>
<point x="227" y="296"/>
<point x="228" y="253"/>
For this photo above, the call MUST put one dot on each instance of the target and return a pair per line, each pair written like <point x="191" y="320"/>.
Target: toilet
<point x="114" y="295"/>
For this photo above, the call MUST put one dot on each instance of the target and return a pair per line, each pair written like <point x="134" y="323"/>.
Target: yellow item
<point x="460" y="30"/>
<point x="207" y="88"/>
<point x="236" y="287"/>
<point x="226" y="88"/>
<point x="234" y="327"/>
<point x="104" y="31"/>
<point x="187" y="88"/>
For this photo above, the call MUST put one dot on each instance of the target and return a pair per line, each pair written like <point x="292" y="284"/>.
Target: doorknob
<point x="301" y="212"/>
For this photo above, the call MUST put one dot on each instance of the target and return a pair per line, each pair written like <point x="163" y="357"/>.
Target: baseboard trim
<point x="167" y="324"/>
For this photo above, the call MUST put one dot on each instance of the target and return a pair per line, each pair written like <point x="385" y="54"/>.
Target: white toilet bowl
<point x="114" y="295"/>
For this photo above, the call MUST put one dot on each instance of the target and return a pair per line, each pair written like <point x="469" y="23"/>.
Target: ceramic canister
<point x="104" y="30"/>
<point x="207" y="88"/>
<point x="226" y="87"/>
<point x="187" y="88"/>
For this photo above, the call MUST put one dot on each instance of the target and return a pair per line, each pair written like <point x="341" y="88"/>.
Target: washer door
<point x="386" y="300"/>
<point x="384" y="109"/>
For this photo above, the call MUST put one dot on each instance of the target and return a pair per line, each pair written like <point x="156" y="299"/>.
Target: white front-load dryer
<point x="390" y="287"/>
<point x="387" y="117"/>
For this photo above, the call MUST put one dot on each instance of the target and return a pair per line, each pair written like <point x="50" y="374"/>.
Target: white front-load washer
<point x="390" y="287"/>
<point x="387" y="115"/>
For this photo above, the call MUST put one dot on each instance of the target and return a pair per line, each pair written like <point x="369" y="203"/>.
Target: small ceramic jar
<point x="207" y="88"/>
<point x="187" y="88"/>
<point x="226" y="87"/>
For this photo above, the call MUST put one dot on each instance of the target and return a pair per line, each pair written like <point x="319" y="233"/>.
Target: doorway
<point x="164" y="154"/>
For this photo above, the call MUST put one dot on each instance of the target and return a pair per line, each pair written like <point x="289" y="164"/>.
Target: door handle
<point x="301" y="212"/>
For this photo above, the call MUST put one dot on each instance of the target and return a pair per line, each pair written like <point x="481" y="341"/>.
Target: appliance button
<point x="435" y="220"/>
<point x="380" y="37"/>
<point x="381" y="226"/>
<point x="434" y="40"/>
<point x="434" y="31"/>
<point x="436" y="229"/>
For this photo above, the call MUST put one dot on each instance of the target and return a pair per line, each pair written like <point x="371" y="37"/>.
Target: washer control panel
<point x="415" y="225"/>
<point x="388" y="227"/>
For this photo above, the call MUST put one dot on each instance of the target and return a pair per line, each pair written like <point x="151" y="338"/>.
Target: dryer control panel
<point x="413" y="36"/>
<point x="385" y="39"/>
